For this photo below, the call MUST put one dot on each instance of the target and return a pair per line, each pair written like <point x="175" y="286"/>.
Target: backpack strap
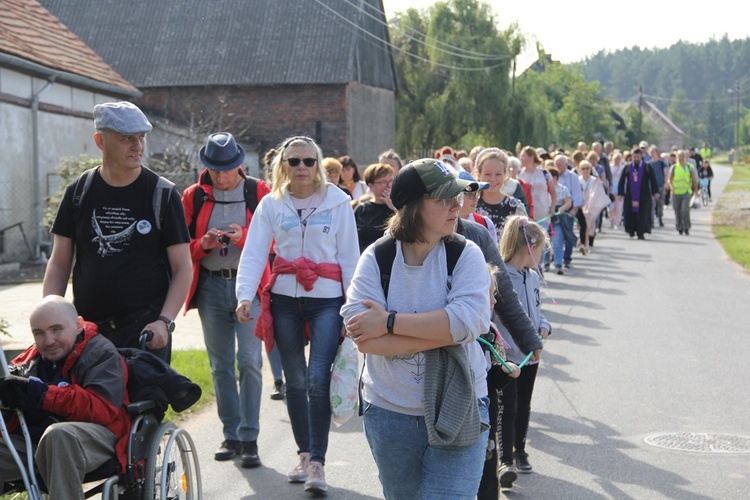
<point x="453" y="249"/>
<point x="160" y="202"/>
<point x="83" y="183"/>
<point x="385" y="253"/>
<point x="199" y="197"/>
<point x="251" y="194"/>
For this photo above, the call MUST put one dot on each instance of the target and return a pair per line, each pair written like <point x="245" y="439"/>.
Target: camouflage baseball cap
<point x="427" y="177"/>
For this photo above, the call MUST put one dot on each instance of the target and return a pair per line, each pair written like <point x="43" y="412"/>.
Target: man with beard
<point x="637" y="186"/>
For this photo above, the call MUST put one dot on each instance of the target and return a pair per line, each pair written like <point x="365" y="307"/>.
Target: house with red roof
<point x="50" y="81"/>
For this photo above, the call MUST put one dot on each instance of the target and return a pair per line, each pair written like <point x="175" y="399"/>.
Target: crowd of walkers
<point x="393" y="256"/>
<point x="433" y="268"/>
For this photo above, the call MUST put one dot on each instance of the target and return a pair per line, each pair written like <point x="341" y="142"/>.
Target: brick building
<point x="49" y="83"/>
<point x="261" y="69"/>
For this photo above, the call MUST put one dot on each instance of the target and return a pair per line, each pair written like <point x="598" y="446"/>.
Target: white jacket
<point x="330" y="237"/>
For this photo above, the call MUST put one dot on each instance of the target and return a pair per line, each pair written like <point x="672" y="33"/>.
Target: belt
<point x="112" y="324"/>
<point x="225" y="273"/>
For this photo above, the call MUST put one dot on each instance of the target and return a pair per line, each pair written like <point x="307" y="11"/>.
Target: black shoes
<point x="249" y="454"/>
<point x="277" y="393"/>
<point x="522" y="463"/>
<point x="507" y="475"/>
<point x="247" y="450"/>
<point x="228" y="450"/>
<point x="687" y="232"/>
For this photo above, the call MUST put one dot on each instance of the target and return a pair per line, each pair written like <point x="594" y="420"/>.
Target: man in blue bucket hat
<point x="125" y="226"/>
<point x="219" y="209"/>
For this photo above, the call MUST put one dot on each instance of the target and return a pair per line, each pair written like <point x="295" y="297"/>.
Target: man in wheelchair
<point x="71" y="387"/>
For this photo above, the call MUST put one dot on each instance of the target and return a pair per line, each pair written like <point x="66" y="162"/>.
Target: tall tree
<point x="454" y="68"/>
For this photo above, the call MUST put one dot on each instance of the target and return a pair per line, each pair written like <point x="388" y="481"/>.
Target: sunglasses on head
<point x="294" y="162"/>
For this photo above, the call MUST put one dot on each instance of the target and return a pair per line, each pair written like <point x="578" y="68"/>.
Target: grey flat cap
<point x="122" y="117"/>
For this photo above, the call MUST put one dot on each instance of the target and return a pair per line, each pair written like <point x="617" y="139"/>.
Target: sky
<point x="584" y="27"/>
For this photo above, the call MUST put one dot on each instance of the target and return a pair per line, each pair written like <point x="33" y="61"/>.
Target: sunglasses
<point x="294" y="162"/>
<point x="448" y="202"/>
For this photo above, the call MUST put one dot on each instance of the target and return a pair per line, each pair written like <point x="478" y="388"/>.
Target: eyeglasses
<point x="471" y="196"/>
<point x="384" y="182"/>
<point x="294" y="162"/>
<point x="448" y="202"/>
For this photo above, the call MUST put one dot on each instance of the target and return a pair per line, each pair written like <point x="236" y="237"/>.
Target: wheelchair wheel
<point x="172" y="468"/>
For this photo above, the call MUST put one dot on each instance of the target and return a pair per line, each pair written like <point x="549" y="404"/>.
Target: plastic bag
<point x="344" y="396"/>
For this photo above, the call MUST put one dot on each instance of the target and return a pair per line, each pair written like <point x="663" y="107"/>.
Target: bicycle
<point x="704" y="191"/>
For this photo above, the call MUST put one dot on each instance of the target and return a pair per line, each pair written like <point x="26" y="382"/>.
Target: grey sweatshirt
<point x="396" y="383"/>
<point x="526" y="283"/>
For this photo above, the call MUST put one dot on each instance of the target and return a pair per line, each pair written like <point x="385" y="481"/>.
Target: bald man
<point x="71" y="386"/>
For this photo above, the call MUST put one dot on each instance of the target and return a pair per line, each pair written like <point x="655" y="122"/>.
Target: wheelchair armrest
<point x="140" y="407"/>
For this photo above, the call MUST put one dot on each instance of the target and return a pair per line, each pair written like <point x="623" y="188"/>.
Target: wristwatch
<point x="168" y="322"/>
<point x="390" y="322"/>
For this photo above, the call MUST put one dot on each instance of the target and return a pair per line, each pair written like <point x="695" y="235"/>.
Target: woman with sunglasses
<point x="429" y="333"/>
<point x="372" y="214"/>
<point x="312" y="224"/>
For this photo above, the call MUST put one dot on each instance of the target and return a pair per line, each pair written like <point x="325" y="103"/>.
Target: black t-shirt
<point x="121" y="264"/>
<point x="371" y="222"/>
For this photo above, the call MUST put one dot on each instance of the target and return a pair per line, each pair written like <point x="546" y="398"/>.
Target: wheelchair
<point x="162" y="464"/>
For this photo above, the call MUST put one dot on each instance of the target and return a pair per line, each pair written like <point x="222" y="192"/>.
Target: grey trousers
<point x="66" y="452"/>
<point x="681" y="204"/>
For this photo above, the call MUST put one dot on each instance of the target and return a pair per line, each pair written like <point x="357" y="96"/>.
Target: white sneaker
<point x="316" y="479"/>
<point x="299" y="473"/>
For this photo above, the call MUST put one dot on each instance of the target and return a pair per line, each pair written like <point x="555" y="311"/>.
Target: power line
<point x="461" y="52"/>
<point x="402" y="50"/>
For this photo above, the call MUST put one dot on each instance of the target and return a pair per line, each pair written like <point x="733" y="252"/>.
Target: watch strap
<point x="391" y="321"/>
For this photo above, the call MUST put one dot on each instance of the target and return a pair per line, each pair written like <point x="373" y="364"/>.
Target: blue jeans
<point x="274" y="358"/>
<point x="239" y="412"/>
<point x="558" y="242"/>
<point x="308" y="382"/>
<point x="566" y="221"/>
<point x="410" y="468"/>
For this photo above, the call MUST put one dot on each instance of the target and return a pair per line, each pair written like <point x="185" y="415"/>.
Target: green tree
<point x="453" y="67"/>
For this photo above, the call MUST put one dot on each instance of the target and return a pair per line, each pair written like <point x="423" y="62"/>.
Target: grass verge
<point x="194" y="365"/>
<point x="731" y="221"/>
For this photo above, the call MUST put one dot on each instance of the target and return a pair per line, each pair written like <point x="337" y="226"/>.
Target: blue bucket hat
<point x="122" y="117"/>
<point x="466" y="176"/>
<point x="221" y="152"/>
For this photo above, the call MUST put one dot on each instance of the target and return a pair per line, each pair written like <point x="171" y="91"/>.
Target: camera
<point x="224" y="239"/>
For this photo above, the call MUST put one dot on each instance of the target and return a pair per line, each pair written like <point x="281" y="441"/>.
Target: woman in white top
<point x="617" y="166"/>
<point x="312" y="224"/>
<point x="351" y="179"/>
<point x="542" y="192"/>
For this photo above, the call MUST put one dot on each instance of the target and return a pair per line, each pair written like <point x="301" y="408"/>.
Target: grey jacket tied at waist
<point x="450" y="404"/>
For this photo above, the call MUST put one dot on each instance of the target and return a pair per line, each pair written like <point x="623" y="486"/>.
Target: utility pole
<point x="640" y="113"/>
<point x="737" y="91"/>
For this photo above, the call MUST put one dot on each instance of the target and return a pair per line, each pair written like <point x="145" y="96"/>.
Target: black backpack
<point x="200" y="196"/>
<point x="385" y="253"/>
<point x="159" y="202"/>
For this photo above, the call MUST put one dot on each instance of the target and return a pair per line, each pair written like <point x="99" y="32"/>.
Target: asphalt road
<point x="649" y="337"/>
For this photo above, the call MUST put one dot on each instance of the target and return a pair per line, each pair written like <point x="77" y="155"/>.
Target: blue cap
<point x="121" y="117"/>
<point x="466" y="176"/>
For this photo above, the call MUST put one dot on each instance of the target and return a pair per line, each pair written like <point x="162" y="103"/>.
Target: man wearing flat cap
<point x="126" y="228"/>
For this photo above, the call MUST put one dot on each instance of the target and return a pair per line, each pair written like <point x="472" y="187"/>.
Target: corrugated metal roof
<point x="235" y="42"/>
<point x="30" y="31"/>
